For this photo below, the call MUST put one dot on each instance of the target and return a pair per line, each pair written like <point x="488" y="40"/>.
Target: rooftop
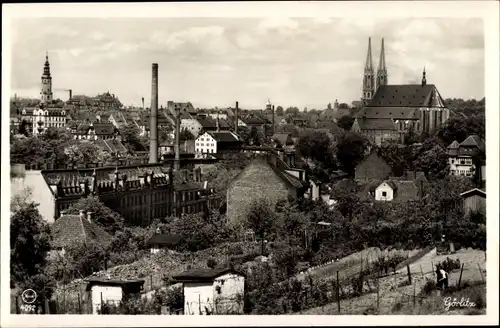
<point x="203" y="274"/>
<point x="69" y="229"/>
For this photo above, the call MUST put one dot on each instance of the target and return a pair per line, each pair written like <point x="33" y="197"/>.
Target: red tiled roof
<point x="69" y="229"/>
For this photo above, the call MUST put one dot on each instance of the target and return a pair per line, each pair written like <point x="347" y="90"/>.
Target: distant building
<point x="96" y="131"/>
<point x="461" y="156"/>
<point x="192" y="125"/>
<point x="112" y="146"/>
<point x="373" y="167"/>
<point x="102" y="291"/>
<point x="417" y="107"/>
<point x="267" y="177"/>
<point x="474" y="200"/>
<point x="70" y="229"/>
<point x="162" y="241"/>
<point x="212" y="291"/>
<point x="396" y="191"/>
<point x="217" y="142"/>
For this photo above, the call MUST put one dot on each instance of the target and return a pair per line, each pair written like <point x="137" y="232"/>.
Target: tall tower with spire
<point x="368" y="78"/>
<point x="382" y="70"/>
<point x="46" y="93"/>
<point x="424" y="80"/>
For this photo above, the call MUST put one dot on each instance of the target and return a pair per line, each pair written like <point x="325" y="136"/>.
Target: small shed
<point x="103" y="291"/>
<point x="162" y="241"/>
<point x="474" y="200"/>
<point x="212" y="291"/>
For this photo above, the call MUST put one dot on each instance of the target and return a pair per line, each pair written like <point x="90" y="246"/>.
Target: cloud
<point x="281" y="25"/>
<point x="194" y="35"/>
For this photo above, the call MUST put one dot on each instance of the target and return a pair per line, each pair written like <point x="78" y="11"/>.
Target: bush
<point x="448" y="265"/>
<point x="430" y="285"/>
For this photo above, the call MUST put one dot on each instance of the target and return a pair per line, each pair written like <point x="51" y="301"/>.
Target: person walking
<point x="442" y="279"/>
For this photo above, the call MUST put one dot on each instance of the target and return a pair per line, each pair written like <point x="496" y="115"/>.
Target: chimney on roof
<point x="89" y="216"/>
<point x="153" y="139"/>
<point x="424" y="80"/>
<point x="236" y="119"/>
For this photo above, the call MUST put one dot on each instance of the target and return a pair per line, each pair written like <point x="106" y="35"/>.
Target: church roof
<point x="376" y="124"/>
<point x="407" y="95"/>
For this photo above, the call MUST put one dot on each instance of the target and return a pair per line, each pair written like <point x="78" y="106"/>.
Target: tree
<point x="261" y="218"/>
<point x="433" y="162"/>
<point x="102" y="215"/>
<point x="130" y="136"/>
<point x="85" y="152"/>
<point x="350" y="151"/>
<point x="29" y="245"/>
<point x="459" y="128"/>
<point x="316" y="146"/>
<point x="279" y="111"/>
<point x="345" y="122"/>
<point x="24" y="128"/>
<point x="186" y="135"/>
<point x="256" y="136"/>
<point x="293" y="111"/>
<point x="31" y="151"/>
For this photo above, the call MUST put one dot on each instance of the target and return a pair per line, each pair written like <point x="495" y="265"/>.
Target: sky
<point x="303" y="62"/>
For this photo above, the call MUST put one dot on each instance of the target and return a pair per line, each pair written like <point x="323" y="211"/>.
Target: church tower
<point x="368" y="79"/>
<point x="382" y="70"/>
<point x="46" y="94"/>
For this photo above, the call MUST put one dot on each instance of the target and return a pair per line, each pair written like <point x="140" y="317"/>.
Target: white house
<point x="385" y="191"/>
<point x="216" y="142"/>
<point x="44" y="118"/>
<point x="205" y="143"/>
<point x="212" y="291"/>
<point x="107" y="291"/>
<point x="397" y="190"/>
<point x="460" y="156"/>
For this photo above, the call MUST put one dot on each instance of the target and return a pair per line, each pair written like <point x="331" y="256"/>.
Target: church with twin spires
<point x="391" y="110"/>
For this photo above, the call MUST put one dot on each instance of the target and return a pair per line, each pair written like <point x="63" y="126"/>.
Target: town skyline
<point x="272" y="58"/>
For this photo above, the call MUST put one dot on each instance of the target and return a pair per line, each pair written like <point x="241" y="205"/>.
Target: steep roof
<point x="69" y="229"/>
<point x="223" y="136"/>
<point x="332" y="126"/>
<point x="103" y="128"/>
<point x="407" y="95"/>
<point x="111" y="145"/>
<point x="282" y="138"/>
<point x="474" y="141"/>
<point x="204" y="274"/>
<point x="376" y="124"/>
<point x="454" y="145"/>
<point x="473" y="192"/>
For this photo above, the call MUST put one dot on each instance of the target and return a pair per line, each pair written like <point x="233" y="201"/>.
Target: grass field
<point x="394" y="290"/>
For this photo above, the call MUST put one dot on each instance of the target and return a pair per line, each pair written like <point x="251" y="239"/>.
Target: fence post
<point x="480" y="271"/>
<point x="199" y="302"/>
<point x="409" y="273"/>
<point x="102" y="305"/>
<point x="432" y="264"/>
<point x="414" y="295"/>
<point x="338" y="293"/>
<point x="79" y="304"/>
<point x="151" y="282"/>
<point x="421" y="270"/>
<point x="18" y="310"/>
<point x="378" y="295"/>
<point x="46" y="304"/>
<point x="460" y="278"/>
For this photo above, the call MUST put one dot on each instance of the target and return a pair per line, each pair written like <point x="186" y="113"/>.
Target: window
<point x="384" y="193"/>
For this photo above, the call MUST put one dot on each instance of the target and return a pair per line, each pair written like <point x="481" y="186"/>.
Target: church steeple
<point x="46" y="93"/>
<point x="382" y="70"/>
<point x="368" y="78"/>
<point x="424" y="80"/>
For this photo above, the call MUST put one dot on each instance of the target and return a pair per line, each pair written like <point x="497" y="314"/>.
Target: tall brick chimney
<point x="177" y="161"/>
<point x="153" y="126"/>
<point x="236" y="119"/>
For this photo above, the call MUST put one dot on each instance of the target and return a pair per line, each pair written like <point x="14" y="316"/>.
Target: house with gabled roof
<point x="268" y="177"/>
<point x="465" y="156"/>
<point x="217" y="142"/>
<point x="474" y="200"/>
<point x="69" y="229"/>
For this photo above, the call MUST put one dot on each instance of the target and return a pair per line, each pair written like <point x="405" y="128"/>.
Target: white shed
<point x="103" y="291"/>
<point x="212" y="291"/>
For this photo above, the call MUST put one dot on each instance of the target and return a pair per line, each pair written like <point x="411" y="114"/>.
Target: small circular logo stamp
<point x="29" y="296"/>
